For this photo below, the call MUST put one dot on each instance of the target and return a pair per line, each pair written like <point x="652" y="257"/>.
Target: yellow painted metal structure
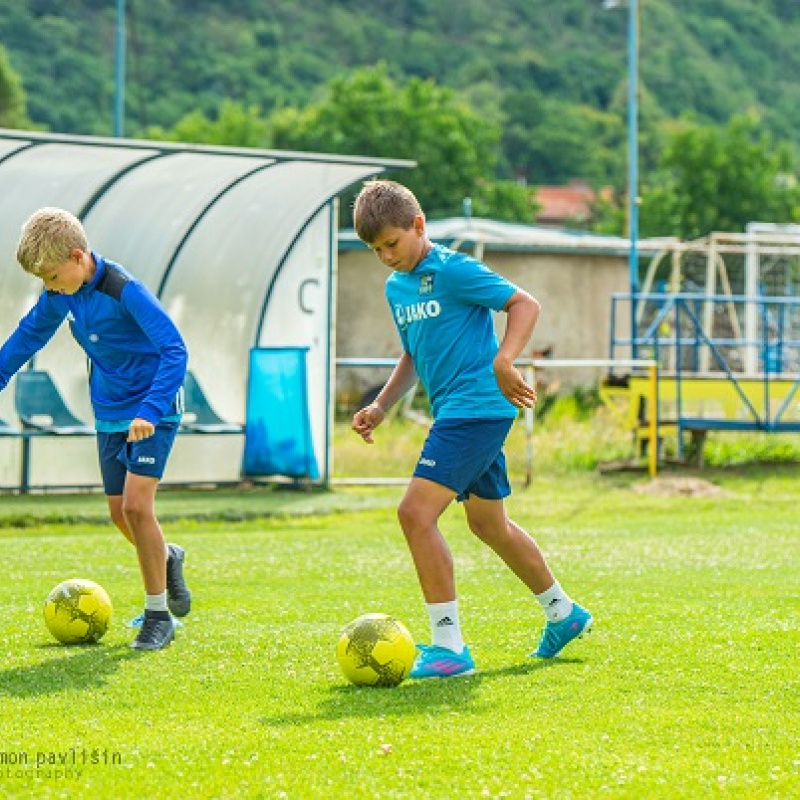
<point x="651" y="404"/>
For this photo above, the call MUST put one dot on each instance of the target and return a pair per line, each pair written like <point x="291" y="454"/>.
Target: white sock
<point x="445" y="627"/>
<point x="156" y="602"/>
<point x="556" y="604"/>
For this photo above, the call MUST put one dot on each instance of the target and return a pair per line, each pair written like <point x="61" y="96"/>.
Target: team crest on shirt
<point x="426" y="284"/>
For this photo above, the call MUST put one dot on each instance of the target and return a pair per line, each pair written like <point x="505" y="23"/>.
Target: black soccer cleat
<point x="157" y="631"/>
<point x="179" y="598"/>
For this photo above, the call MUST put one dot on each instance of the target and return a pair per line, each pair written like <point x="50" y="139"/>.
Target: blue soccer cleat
<point x="557" y="635"/>
<point x="441" y="662"/>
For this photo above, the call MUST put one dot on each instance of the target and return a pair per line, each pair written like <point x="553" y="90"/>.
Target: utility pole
<point x="633" y="160"/>
<point x="119" y="71"/>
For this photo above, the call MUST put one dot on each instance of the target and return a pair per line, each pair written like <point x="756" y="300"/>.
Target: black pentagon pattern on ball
<point x="363" y="638"/>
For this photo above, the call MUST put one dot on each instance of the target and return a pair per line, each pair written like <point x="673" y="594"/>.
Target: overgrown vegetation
<point x="577" y="433"/>
<point x="537" y="88"/>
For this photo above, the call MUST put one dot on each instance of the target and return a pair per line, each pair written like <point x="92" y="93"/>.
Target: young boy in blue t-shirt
<point x="442" y="302"/>
<point x="137" y="362"/>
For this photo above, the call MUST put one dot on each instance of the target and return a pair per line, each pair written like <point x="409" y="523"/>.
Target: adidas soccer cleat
<point x="441" y="662"/>
<point x="179" y="598"/>
<point x="557" y="635"/>
<point x="157" y="631"/>
<point x="138" y="621"/>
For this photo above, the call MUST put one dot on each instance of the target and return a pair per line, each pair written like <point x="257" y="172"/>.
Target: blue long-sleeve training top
<point x="137" y="356"/>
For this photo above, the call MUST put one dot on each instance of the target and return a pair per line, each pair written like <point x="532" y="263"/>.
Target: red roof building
<point x="565" y="206"/>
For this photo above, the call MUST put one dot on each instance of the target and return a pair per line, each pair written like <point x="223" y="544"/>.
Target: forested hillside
<point x="548" y="75"/>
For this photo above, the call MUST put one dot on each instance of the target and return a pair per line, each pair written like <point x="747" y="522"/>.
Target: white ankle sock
<point x="556" y="604"/>
<point x="445" y="627"/>
<point x="156" y="602"/>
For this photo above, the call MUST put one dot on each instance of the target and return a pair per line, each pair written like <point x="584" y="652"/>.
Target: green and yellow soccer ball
<point x="77" y="611"/>
<point x="376" y="650"/>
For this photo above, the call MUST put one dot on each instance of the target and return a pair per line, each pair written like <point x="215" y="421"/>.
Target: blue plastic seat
<point x="41" y="407"/>
<point x="198" y="415"/>
<point x="7" y="430"/>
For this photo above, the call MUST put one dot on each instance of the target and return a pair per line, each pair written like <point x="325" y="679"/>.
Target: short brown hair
<point x="48" y="237"/>
<point x="383" y="204"/>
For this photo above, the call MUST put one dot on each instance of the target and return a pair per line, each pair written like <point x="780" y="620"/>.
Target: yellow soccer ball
<point x="77" y="611"/>
<point x="376" y="650"/>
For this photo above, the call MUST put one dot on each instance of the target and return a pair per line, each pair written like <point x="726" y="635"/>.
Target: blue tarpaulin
<point x="278" y="431"/>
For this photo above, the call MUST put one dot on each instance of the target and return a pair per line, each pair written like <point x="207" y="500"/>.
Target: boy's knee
<point x="135" y="512"/>
<point x="403" y="514"/>
<point x="483" y="531"/>
<point x="118" y="518"/>
<point x="116" y="513"/>
<point x="488" y="530"/>
<point x="409" y="515"/>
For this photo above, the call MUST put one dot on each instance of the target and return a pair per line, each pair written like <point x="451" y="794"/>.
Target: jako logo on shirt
<point x="405" y="315"/>
<point x="146" y="460"/>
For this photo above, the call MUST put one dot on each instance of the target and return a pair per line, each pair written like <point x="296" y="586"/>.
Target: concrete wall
<point x="574" y="291"/>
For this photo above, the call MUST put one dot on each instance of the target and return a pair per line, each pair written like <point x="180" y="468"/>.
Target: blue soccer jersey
<point x="443" y="313"/>
<point x="137" y="356"/>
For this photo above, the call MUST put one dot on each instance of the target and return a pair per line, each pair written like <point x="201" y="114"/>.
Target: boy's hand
<point x="140" y="429"/>
<point x="512" y="384"/>
<point x="366" y="420"/>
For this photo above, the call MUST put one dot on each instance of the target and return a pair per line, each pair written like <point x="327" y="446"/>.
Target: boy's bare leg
<point x="487" y="519"/>
<point x="118" y="518"/>
<point x="139" y="512"/>
<point x="566" y="620"/>
<point x="179" y="597"/>
<point x="419" y="512"/>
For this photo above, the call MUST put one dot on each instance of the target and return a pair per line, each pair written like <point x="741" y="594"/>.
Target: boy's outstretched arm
<point x="522" y="311"/>
<point x="403" y="377"/>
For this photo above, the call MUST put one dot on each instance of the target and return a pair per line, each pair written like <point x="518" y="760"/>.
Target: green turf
<point x="688" y="687"/>
<point x="229" y="505"/>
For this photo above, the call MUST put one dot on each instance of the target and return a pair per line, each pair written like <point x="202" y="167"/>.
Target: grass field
<point x="689" y="685"/>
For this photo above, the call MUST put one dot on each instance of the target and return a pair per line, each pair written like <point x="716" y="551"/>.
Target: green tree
<point x="234" y="126"/>
<point x="711" y="179"/>
<point x="547" y="140"/>
<point x="366" y="113"/>
<point x="13" y="112"/>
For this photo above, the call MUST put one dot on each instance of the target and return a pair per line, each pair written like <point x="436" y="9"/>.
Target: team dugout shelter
<point x="240" y="246"/>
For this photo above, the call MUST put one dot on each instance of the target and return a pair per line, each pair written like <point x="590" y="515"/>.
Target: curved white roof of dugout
<point x="239" y="245"/>
<point x="184" y="218"/>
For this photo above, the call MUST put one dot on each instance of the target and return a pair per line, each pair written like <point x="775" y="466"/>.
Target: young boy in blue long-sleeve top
<point x="137" y="361"/>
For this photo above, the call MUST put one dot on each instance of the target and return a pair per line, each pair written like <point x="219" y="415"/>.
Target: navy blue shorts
<point x="466" y="455"/>
<point x="147" y="457"/>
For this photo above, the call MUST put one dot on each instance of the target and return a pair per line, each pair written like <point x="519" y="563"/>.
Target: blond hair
<point x="383" y="204"/>
<point x="48" y="237"/>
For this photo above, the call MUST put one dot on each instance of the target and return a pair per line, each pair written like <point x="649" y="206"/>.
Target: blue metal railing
<point x="731" y="338"/>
